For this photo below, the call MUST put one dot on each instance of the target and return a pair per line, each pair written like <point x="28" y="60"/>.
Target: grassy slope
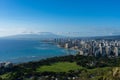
<point x="95" y="74"/>
<point x="59" y="67"/>
<point x="91" y="74"/>
<point x="87" y="74"/>
<point x="5" y="76"/>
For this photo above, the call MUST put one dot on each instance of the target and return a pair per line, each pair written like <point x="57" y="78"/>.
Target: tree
<point x="1" y="78"/>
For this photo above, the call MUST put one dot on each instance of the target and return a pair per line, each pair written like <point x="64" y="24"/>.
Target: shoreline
<point x="67" y="48"/>
<point x="28" y="58"/>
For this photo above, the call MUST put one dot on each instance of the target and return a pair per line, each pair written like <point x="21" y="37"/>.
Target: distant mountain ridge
<point x="49" y="35"/>
<point x="40" y="35"/>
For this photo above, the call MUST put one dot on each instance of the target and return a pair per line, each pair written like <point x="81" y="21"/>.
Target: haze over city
<point x="64" y="17"/>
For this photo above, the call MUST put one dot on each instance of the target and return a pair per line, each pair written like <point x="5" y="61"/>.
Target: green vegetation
<point x="5" y="76"/>
<point x="59" y="67"/>
<point x="65" y="68"/>
<point x="95" y="74"/>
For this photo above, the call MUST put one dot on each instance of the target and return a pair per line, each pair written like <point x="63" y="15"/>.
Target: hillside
<point x="66" y="68"/>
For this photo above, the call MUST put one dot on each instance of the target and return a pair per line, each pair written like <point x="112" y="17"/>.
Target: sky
<point x="64" y="17"/>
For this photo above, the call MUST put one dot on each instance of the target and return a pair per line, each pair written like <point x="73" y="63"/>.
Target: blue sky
<point x="65" y="17"/>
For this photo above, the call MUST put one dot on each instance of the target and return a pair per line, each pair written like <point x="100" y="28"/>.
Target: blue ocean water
<point x="29" y="50"/>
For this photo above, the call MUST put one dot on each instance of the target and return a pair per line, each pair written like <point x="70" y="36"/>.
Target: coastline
<point x="67" y="48"/>
<point x="52" y="52"/>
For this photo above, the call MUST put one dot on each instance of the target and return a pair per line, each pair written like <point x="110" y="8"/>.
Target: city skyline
<point x="88" y="18"/>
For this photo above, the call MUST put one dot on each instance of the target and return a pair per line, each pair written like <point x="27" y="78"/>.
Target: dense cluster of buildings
<point x="6" y="64"/>
<point x="110" y="48"/>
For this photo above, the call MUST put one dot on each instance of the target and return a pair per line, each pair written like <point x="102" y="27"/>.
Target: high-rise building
<point x="81" y="52"/>
<point x="100" y="48"/>
<point x="116" y="51"/>
<point x="107" y="50"/>
<point x="66" y="45"/>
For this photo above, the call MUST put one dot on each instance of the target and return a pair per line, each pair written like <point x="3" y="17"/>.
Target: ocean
<point x="19" y="51"/>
